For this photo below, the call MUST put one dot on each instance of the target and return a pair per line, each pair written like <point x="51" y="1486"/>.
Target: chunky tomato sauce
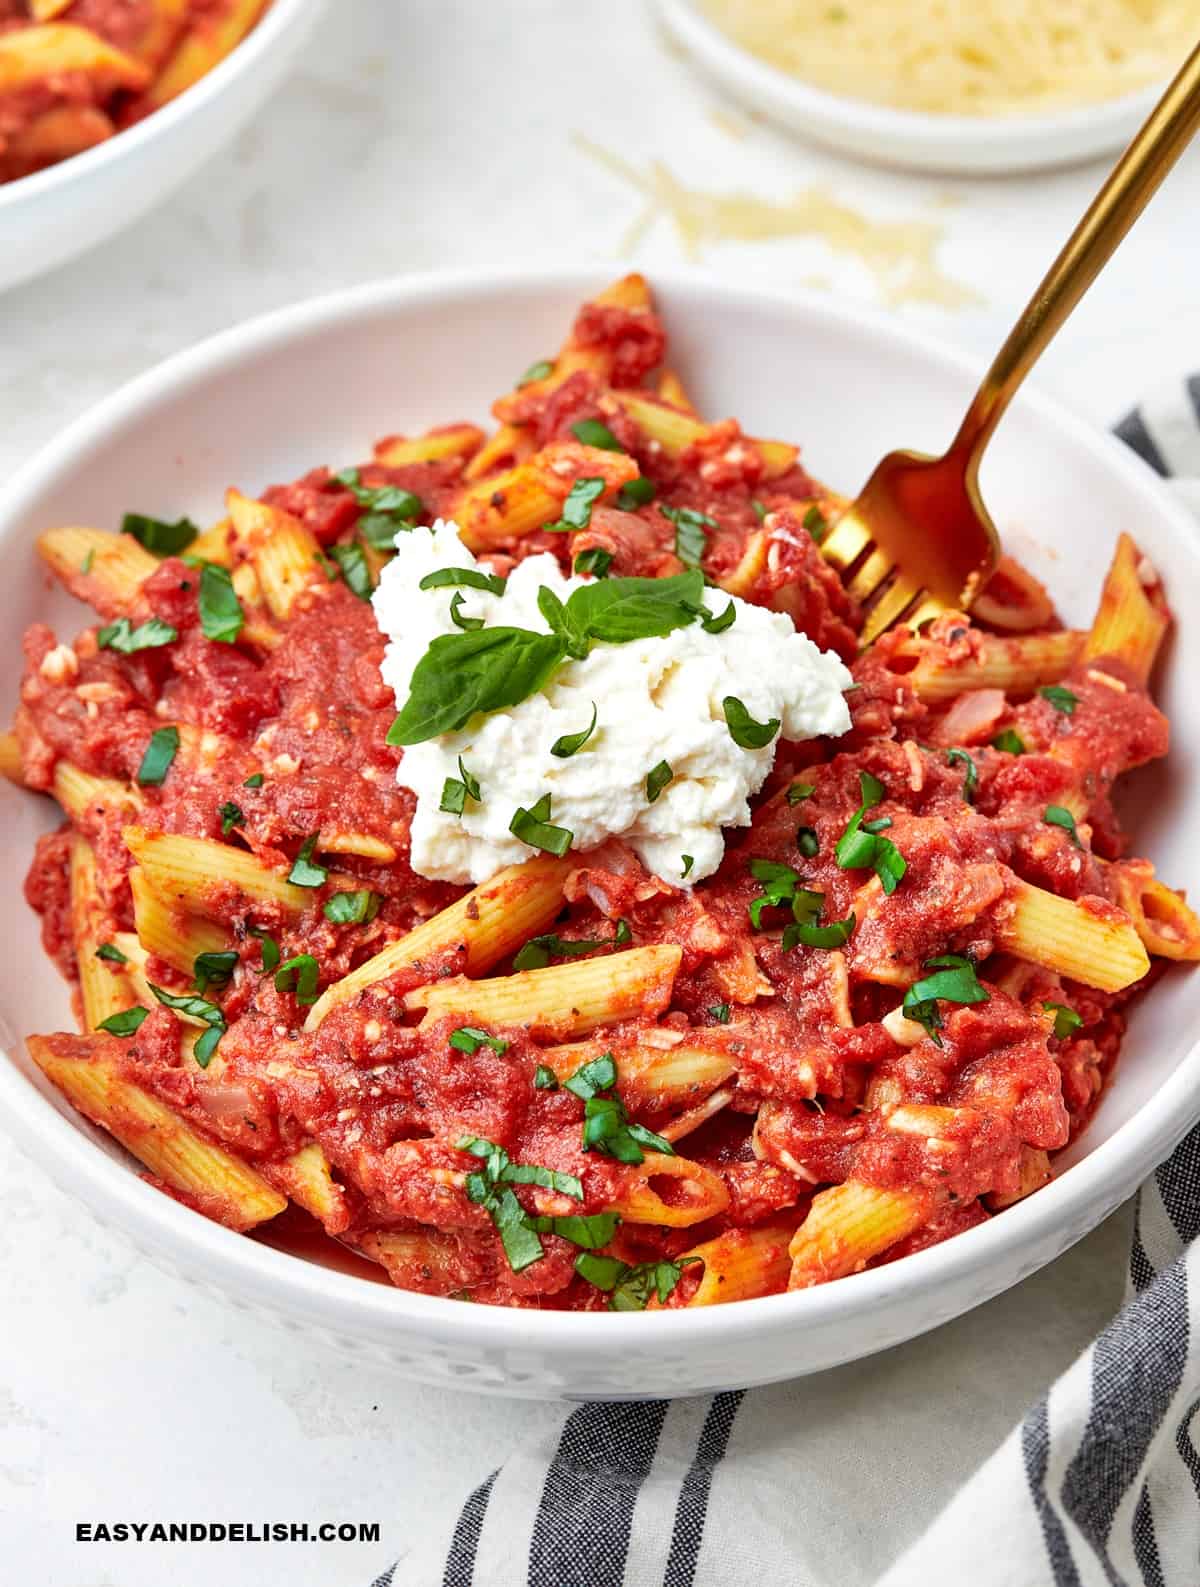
<point x="819" y="1074"/>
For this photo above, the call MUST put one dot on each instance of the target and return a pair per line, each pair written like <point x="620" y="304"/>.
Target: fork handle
<point x="1133" y="182"/>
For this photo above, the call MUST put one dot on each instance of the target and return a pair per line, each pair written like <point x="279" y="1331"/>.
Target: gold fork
<point x="919" y="539"/>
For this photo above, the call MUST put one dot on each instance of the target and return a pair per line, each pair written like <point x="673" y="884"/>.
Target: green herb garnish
<point x="471" y="578"/>
<point x="658" y="778"/>
<point x="221" y="616"/>
<point x="124" y="1023"/>
<point x="160" y="752"/>
<point x="970" y="777"/>
<point x="592" y="433"/>
<point x="122" y="636"/>
<point x="157" y="535"/>
<point x="305" y="872"/>
<point x="533" y="826"/>
<point x="955" y="981"/>
<point x="745" y="732"/>
<point x="354" y="908"/>
<point x="1066" y="1020"/>
<point x="570" y="743"/>
<point x="196" y="1008"/>
<point x="1061" y="699"/>
<point x="469" y="1039"/>
<point x="1060" y="816"/>
<point x="635" y="493"/>
<point x="299" y="975"/>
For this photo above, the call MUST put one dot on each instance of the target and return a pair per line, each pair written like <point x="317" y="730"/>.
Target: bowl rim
<point x="279" y="17"/>
<point x="246" y="1268"/>
<point x="866" y="117"/>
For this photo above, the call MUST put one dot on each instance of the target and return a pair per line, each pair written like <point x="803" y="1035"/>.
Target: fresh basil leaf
<point x="354" y="908"/>
<point x="1066" y="1020"/>
<point x="469" y="1039"/>
<point x="353" y="563"/>
<point x="636" y="493"/>
<point x="470" y="783"/>
<point x="112" y="953"/>
<point x="124" y="1023"/>
<point x="745" y="732"/>
<point x="544" y="1078"/>
<point x="562" y="623"/>
<point x="760" y="511"/>
<point x="720" y="1012"/>
<point x="815" y="522"/>
<point x="807" y="842"/>
<point x="521" y="1246"/>
<point x="196" y="1008"/>
<point x="571" y="743"/>
<point x="955" y="981"/>
<point x="589" y="1231"/>
<point x="658" y="778"/>
<point x="454" y="797"/>
<point x="85" y="567"/>
<point x="388" y="509"/>
<point x="1010" y="742"/>
<point x="542" y="370"/>
<point x="534" y="827"/>
<point x="691" y="539"/>
<point x="538" y="951"/>
<point x="577" y="509"/>
<point x="256" y="781"/>
<point x="590" y="432"/>
<point x="598" y="1074"/>
<point x="616" y="611"/>
<point x="231" y="816"/>
<point x="718" y="625"/>
<point x="123" y="637"/>
<point x="860" y="845"/>
<point x="270" y="948"/>
<point x="461" y="674"/>
<point x="221" y="616"/>
<point x="214" y="969"/>
<point x="799" y="791"/>
<point x="687" y="861"/>
<point x="467" y="624"/>
<point x="631" y="1288"/>
<point x="158" y="536"/>
<point x="471" y="578"/>
<point x="1060" y="816"/>
<point x="299" y="975"/>
<point x="160" y="752"/>
<point x="809" y="935"/>
<point x="970" y="777"/>
<point x="305" y="872"/>
<point x="1061" y="699"/>
<point x="595" y="560"/>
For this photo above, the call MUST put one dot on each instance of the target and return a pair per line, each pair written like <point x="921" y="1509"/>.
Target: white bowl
<point x="49" y="217"/>
<point x="968" y="145"/>
<point x="317" y="383"/>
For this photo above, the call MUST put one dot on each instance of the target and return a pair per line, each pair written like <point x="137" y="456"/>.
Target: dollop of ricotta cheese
<point x="656" y="699"/>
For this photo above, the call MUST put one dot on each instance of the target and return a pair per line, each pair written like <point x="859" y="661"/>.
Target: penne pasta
<point x="848" y="1225"/>
<point x="1018" y="666"/>
<point x="361" y="844"/>
<point x="29" y="56"/>
<point x="1162" y="918"/>
<point x="104" y="569"/>
<point x="307" y="1179"/>
<point x="178" y="939"/>
<point x="530" y="496"/>
<point x="10" y="758"/>
<point x="742" y="1264"/>
<point x="219" y="1183"/>
<point x="651" y="1075"/>
<point x="454" y="440"/>
<point x="285" y="554"/>
<point x="1034" y="1171"/>
<point x="672" y="1191"/>
<point x="104" y="987"/>
<point x="203" y="46"/>
<point x="1087" y="939"/>
<point x="195" y="875"/>
<point x="1132" y="617"/>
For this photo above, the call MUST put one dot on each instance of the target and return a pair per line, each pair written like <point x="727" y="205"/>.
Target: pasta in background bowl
<point x="177" y="437"/>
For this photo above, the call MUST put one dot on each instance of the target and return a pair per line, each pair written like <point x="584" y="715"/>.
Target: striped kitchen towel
<point x="1098" y="1486"/>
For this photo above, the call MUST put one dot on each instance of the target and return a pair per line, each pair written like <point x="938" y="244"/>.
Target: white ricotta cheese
<point x="656" y="700"/>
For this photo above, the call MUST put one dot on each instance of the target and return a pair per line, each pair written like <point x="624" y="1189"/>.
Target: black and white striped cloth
<point x="1098" y="1486"/>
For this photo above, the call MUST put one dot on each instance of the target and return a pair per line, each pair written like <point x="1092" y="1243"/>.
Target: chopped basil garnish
<point x="687" y="861"/>
<point x="607" y="1128"/>
<point x="538" y="951"/>
<point x="124" y="1023"/>
<point x="590" y="432"/>
<point x="256" y="781"/>
<point x="807" y="842"/>
<point x="800" y="790"/>
<point x="577" y="509"/>
<point x="544" y="1078"/>
<point x="467" y="624"/>
<point x="214" y="969"/>
<point x="231" y="816"/>
<point x="270" y="948"/>
<point x="570" y="743"/>
<point x="304" y="872"/>
<point x="861" y="845"/>
<point x="631" y="1288"/>
<point x="352" y="908"/>
<point x="85" y="567"/>
<point x="971" y="775"/>
<point x="691" y="541"/>
<point x="635" y="493"/>
<point x="160" y="752"/>
<point x="455" y="793"/>
<point x="122" y="636"/>
<point x="1066" y="1020"/>
<point x="388" y="509"/>
<point x="815" y="522"/>
<point x="471" y="578"/>
<point x="542" y="370"/>
<point x="720" y="1012"/>
<point x="468" y="1039"/>
<point x="470" y="782"/>
<point x="657" y="778"/>
<point x="490" y="1190"/>
<point x="113" y="954"/>
<point x="461" y="674"/>
<point x="760" y="512"/>
<point x="595" y="560"/>
<point x="954" y="982"/>
<point x="745" y="732"/>
<point x="299" y="975"/>
<point x="810" y="935"/>
<point x="162" y="538"/>
<point x="718" y="624"/>
<point x="221" y="616"/>
<point x="779" y="888"/>
<point x="589" y="1231"/>
<point x="533" y="826"/>
<point x="1060" y="816"/>
<point x="353" y="563"/>
<point x="196" y="1008"/>
<point x="1011" y="743"/>
<point x="1061" y="699"/>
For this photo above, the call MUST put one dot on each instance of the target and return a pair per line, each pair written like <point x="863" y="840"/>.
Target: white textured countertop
<point x="440" y="133"/>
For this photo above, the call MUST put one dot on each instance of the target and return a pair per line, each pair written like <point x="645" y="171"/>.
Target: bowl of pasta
<point x="105" y="108"/>
<point x="957" y="89"/>
<point x="493" y="918"/>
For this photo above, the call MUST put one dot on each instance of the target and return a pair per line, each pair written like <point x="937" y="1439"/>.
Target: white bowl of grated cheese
<point x="924" y="140"/>
<point x="397" y="355"/>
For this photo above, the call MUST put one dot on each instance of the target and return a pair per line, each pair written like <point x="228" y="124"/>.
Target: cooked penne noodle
<point x="1018" y="666"/>
<point x="56" y="135"/>
<point x="104" y="988"/>
<point x="219" y="1183"/>
<point x="215" y="544"/>
<point x="1088" y="939"/>
<point x="191" y="874"/>
<point x="285" y="554"/>
<point x="671" y="389"/>
<point x="694" y="1117"/>
<point x="847" y="1225"/>
<point x="510" y="444"/>
<point x="204" y="46"/>
<point x="689" y="1194"/>
<point x="307" y="1179"/>
<point x="455" y="440"/>
<point x="530" y="496"/>
<point x="1034" y="1171"/>
<point x="657" y="1076"/>
<point x="425" y="1259"/>
<point x="81" y="792"/>
<point x="28" y="56"/>
<point x="10" y="758"/>
<point x="176" y="938"/>
<point x="1162" y="918"/>
<point x="104" y="569"/>
<point x="488" y="923"/>
<point x="565" y="999"/>
<point x="742" y="1264"/>
<point x="1132" y="617"/>
<point x="361" y="844"/>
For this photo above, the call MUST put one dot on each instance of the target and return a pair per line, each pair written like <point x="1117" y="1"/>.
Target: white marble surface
<point x="411" y="137"/>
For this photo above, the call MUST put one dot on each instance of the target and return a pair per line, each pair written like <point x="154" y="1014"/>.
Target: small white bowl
<point x="49" y="217"/>
<point x="954" y="145"/>
<point x="316" y="383"/>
